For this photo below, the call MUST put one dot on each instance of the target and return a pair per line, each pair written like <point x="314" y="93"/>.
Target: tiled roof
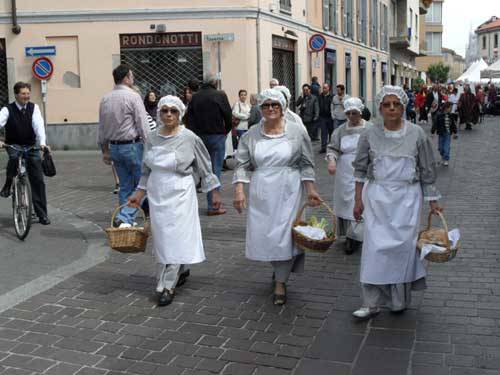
<point x="493" y="23"/>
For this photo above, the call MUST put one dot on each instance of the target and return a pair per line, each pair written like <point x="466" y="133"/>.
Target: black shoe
<point x="44" y="220"/>
<point x="183" y="278"/>
<point x="349" y="246"/>
<point x="5" y="193"/>
<point x="322" y="151"/>
<point x="166" y="298"/>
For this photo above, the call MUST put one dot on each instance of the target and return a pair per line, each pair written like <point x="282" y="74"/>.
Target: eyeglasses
<point x="173" y="111"/>
<point x="274" y="106"/>
<point x="352" y="113"/>
<point x="391" y="104"/>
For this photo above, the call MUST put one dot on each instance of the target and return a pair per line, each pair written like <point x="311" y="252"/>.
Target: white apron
<point x="274" y="199"/>
<point x="344" y="186"/>
<point x="392" y="219"/>
<point x="175" y="224"/>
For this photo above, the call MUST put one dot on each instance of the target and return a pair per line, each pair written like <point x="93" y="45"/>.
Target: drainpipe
<point x="16" y="28"/>
<point x="259" y="68"/>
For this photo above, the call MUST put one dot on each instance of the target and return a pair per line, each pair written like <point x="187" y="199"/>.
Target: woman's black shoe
<point x="279" y="299"/>
<point x="166" y="298"/>
<point x="349" y="246"/>
<point x="183" y="278"/>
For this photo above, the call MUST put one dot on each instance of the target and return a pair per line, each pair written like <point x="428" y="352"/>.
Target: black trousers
<point x="35" y="175"/>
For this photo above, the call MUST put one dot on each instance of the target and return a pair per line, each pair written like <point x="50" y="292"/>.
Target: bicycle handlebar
<point x="24" y="149"/>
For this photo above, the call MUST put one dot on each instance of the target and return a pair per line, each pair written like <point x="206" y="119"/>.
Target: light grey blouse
<point x="333" y="148"/>
<point x="191" y="156"/>
<point x="411" y="142"/>
<point x="302" y="153"/>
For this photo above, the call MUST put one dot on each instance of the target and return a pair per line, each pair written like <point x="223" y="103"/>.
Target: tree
<point x="418" y="83"/>
<point x="438" y="73"/>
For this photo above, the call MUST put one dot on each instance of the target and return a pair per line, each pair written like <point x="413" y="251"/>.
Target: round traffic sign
<point x="317" y="43"/>
<point x="42" y="68"/>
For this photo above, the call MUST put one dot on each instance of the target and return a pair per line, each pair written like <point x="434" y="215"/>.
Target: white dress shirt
<point x="37" y="122"/>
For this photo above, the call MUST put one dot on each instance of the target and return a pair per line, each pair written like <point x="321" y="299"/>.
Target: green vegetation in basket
<point x="313" y="222"/>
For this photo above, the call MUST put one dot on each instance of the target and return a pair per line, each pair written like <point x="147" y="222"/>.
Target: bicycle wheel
<point x="21" y="206"/>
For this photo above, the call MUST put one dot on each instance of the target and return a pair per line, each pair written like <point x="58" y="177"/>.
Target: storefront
<point x="331" y="67"/>
<point x="163" y="62"/>
<point x="284" y="63"/>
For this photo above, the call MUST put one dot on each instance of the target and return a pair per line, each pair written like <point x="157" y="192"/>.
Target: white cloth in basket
<point x="311" y="232"/>
<point x="453" y="236"/>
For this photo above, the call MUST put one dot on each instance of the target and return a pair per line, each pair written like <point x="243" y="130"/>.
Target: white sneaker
<point x="366" y="312"/>
<point x="445" y="163"/>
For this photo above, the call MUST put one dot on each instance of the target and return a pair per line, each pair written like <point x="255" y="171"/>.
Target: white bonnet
<point x="172" y="101"/>
<point x="285" y="91"/>
<point x="392" y="90"/>
<point x="353" y="103"/>
<point x="272" y="94"/>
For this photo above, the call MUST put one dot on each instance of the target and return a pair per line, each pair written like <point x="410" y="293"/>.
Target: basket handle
<point x="334" y="218"/>
<point x="443" y="221"/>
<point x="117" y="209"/>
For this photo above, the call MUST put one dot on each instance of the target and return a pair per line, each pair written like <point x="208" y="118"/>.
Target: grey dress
<point x="399" y="170"/>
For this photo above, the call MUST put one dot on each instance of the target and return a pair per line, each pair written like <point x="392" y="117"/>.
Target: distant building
<point x="455" y="62"/>
<point x="431" y="40"/>
<point x="488" y="34"/>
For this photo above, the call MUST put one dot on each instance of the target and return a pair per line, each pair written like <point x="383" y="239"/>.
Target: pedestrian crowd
<point x="163" y="149"/>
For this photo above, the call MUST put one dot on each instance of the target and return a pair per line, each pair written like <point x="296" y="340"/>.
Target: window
<point x="374" y="23"/>
<point x="362" y="14"/>
<point x="496" y="41"/>
<point x="435" y="13"/>
<point x="484" y="42"/>
<point x="433" y="43"/>
<point x="286" y="6"/>
<point x="384" y="44"/>
<point x="347" y="18"/>
<point x="330" y="15"/>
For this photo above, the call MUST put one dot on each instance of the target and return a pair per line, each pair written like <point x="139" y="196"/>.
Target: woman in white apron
<point x="340" y="155"/>
<point x="171" y="156"/>
<point x="394" y="169"/>
<point x="275" y="157"/>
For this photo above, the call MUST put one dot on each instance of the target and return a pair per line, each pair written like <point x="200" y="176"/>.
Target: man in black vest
<point x="24" y="128"/>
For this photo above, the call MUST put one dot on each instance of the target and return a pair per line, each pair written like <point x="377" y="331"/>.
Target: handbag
<point x="48" y="166"/>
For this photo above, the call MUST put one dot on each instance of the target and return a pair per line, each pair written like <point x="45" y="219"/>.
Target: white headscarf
<point x="353" y="103"/>
<point x="272" y="94"/>
<point x="284" y="90"/>
<point x="392" y="90"/>
<point x="171" y="101"/>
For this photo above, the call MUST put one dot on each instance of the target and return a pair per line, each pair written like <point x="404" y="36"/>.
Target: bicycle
<point x="22" y="206"/>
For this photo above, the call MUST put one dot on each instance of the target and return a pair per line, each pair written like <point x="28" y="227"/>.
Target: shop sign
<point x="362" y="63"/>
<point x="160" y="40"/>
<point x="283" y="43"/>
<point x="348" y="61"/>
<point x="384" y="67"/>
<point x="374" y="66"/>
<point x="227" y="37"/>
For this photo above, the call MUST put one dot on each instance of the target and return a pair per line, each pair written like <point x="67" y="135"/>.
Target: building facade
<point x="488" y="35"/>
<point x="245" y="42"/>
<point x="432" y="37"/>
<point x="454" y="61"/>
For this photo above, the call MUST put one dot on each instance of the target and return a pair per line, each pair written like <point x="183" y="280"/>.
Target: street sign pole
<point x="219" y="67"/>
<point x="43" y="83"/>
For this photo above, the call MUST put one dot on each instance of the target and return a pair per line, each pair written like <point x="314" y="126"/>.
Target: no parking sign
<point x="317" y="43"/>
<point x="42" y="68"/>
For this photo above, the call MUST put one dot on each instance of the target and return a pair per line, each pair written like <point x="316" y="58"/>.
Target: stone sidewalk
<point x="105" y="321"/>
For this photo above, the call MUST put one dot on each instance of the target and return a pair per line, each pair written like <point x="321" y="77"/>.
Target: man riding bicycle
<point x="24" y="128"/>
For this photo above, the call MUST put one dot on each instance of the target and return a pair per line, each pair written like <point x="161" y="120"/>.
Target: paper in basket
<point x="453" y="236"/>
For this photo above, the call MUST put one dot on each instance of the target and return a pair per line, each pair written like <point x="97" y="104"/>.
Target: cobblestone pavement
<point x="104" y="320"/>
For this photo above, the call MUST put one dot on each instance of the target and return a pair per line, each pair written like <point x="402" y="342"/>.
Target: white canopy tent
<point x="473" y="74"/>
<point x="491" y="72"/>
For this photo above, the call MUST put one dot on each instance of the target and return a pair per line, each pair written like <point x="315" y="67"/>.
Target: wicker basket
<point x="128" y="240"/>
<point x="439" y="237"/>
<point x="308" y="244"/>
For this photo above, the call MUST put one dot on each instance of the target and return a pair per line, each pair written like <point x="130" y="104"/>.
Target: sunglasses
<point x="391" y="104"/>
<point x="274" y="106"/>
<point x="352" y="113"/>
<point x="173" y="111"/>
